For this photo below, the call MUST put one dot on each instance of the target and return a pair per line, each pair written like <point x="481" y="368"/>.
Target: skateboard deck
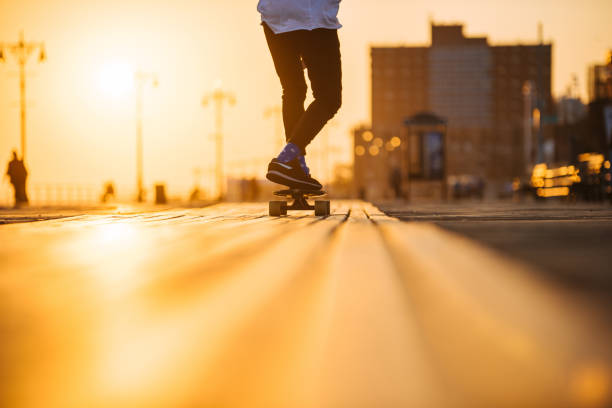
<point x="300" y="202"/>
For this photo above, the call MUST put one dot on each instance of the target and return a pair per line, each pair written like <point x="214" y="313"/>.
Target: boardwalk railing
<point x="55" y="194"/>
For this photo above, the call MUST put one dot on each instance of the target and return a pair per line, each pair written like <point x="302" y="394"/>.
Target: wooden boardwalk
<point x="227" y="307"/>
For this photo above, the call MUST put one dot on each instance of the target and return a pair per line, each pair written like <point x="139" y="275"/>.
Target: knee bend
<point x="295" y="94"/>
<point x="332" y="104"/>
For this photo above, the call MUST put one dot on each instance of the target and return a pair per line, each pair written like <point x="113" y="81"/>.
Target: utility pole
<point x="540" y="94"/>
<point x="217" y="97"/>
<point x="141" y="79"/>
<point x="22" y="51"/>
<point x="276" y="113"/>
<point x="528" y="125"/>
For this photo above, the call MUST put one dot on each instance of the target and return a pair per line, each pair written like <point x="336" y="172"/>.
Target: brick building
<point x="600" y="80"/>
<point x="476" y="87"/>
<point x="599" y="121"/>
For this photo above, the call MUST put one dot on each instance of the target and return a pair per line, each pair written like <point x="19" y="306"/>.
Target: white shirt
<point x="289" y="15"/>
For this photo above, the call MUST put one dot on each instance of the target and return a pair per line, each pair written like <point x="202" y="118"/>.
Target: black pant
<point x="320" y="52"/>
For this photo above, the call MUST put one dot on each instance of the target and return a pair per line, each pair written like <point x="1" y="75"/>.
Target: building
<point x="570" y="110"/>
<point x="570" y="129"/>
<point x="371" y="171"/>
<point x="599" y="121"/>
<point x="600" y="80"/>
<point x="477" y="87"/>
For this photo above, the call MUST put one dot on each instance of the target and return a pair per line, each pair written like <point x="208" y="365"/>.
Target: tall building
<point x="477" y="87"/>
<point x="599" y="138"/>
<point x="600" y="80"/>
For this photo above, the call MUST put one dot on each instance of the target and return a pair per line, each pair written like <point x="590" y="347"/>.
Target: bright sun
<point x="116" y="78"/>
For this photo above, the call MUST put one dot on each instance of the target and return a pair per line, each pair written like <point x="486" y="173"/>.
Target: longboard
<point x="300" y="202"/>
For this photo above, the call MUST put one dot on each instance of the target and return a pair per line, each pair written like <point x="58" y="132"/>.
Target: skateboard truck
<point x="300" y="202"/>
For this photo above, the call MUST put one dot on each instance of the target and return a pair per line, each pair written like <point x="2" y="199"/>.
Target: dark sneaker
<point x="290" y="174"/>
<point x="302" y="160"/>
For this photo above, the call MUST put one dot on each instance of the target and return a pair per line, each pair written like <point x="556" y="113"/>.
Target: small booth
<point x="423" y="161"/>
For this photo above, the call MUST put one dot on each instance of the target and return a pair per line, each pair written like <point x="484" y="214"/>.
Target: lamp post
<point x="540" y="101"/>
<point x="218" y="97"/>
<point x="22" y="51"/>
<point x="528" y="125"/>
<point x="140" y="80"/>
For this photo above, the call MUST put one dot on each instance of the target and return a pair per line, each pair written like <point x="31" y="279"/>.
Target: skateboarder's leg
<point x="321" y="55"/>
<point x="286" y="55"/>
<point x="289" y="168"/>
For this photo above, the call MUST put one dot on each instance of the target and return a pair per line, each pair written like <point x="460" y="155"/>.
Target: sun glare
<point x="116" y="79"/>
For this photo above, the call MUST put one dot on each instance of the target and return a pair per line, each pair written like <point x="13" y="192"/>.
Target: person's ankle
<point x="289" y="152"/>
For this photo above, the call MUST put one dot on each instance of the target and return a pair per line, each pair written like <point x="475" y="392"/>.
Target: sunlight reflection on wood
<point x="224" y="306"/>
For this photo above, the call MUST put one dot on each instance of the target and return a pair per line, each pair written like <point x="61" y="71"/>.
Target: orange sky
<point x="81" y="133"/>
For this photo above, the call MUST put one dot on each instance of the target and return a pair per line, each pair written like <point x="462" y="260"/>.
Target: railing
<point x="54" y="194"/>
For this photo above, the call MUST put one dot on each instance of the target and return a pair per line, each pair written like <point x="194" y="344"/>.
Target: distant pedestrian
<point x="18" y="174"/>
<point x="253" y="189"/>
<point x="303" y="35"/>
<point x="395" y="181"/>
<point x="109" y="192"/>
<point x="195" y="194"/>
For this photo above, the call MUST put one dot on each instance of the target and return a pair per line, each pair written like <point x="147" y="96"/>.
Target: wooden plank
<point x="373" y="354"/>
<point x="487" y="319"/>
<point x="147" y="328"/>
<point x="339" y="333"/>
<point x="205" y="326"/>
<point x="224" y="306"/>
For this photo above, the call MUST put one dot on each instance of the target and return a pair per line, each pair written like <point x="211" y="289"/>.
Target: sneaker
<point x="290" y="174"/>
<point x="302" y="159"/>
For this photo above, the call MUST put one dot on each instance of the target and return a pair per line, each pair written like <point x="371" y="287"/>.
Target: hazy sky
<point x="81" y="127"/>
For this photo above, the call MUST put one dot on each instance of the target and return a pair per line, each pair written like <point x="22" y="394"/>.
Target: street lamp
<point x="218" y="96"/>
<point x="141" y="79"/>
<point x="22" y="51"/>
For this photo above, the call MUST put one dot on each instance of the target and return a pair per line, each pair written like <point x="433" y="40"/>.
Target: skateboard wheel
<point x="321" y="207"/>
<point x="277" y="208"/>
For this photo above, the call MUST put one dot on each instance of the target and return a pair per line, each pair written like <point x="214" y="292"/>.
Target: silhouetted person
<point x="303" y="35"/>
<point x="361" y="194"/>
<point x="109" y="192"/>
<point x="195" y="194"/>
<point x="253" y="189"/>
<point x="395" y="179"/>
<point x="480" y="188"/>
<point x="244" y="189"/>
<point x="18" y="174"/>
